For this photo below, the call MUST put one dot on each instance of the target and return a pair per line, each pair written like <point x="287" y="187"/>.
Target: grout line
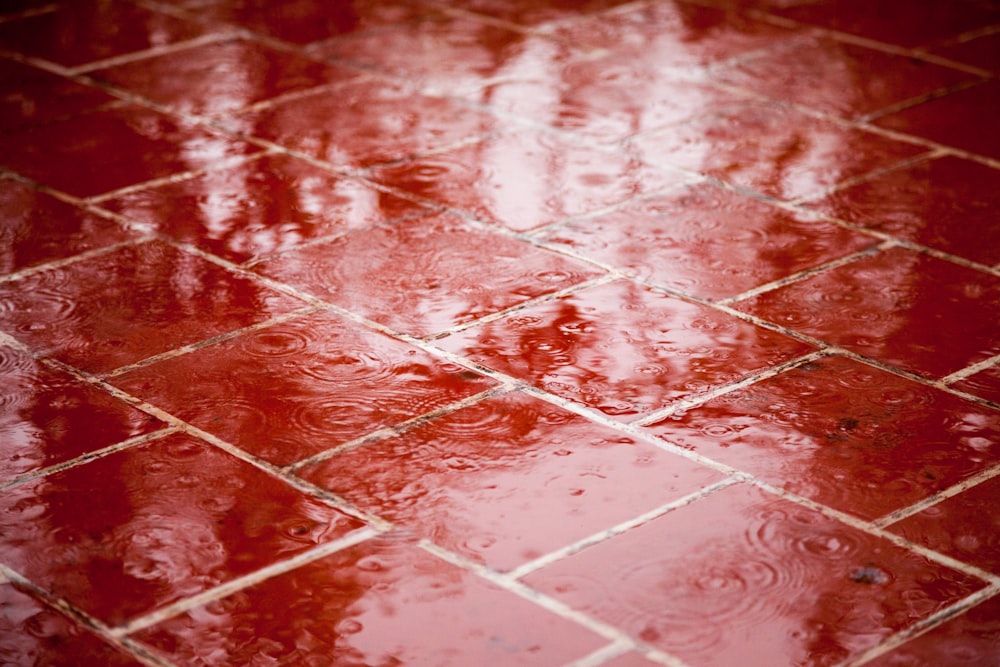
<point x="921" y="99"/>
<point x="90" y="456"/>
<point x="234" y="585"/>
<point x="166" y="49"/>
<point x="924" y="625"/>
<point x="936" y="498"/>
<point x="570" y="549"/>
<point x="601" y="655"/>
<point x="875" y="174"/>
<point x="971" y="370"/>
<point x="68" y="261"/>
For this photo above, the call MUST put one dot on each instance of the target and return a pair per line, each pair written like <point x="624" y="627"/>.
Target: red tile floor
<point x="503" y="332"/>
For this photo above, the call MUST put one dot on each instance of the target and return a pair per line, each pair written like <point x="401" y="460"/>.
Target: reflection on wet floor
<point x="515" y="332"/>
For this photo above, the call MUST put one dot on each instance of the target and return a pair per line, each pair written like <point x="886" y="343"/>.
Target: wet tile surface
<point x="373" y="604"/>
<point x="706" y="241"/>
<point x="150" y="525"/>
<point x="847" y="435"/>
<point x="631" y="333"/>
<point x="509" y="479"/>
<point x="297" y="388"/>
<point x="623" y="349"/>
<point x="784" y="583"/>
<point x="927" y="316"/>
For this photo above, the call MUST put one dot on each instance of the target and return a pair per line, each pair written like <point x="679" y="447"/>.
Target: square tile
<point x="623" y="349"/>
<point x="525" y="180"/>
<point x="75" y="33"/>
<point x="961" y="120"/>
<point x="378" y="603"/>
<point x="47" y="417"/>
<point x="673" y="34"/>
<point x="259" y="207"/>
<point x="32" y="96"/>
<point x="742" y="578"/>
<point x="73" y="155"/>
<point x="900" y="22"/>
<point x="964" y="526"/>
<point x="982" y="51"/>
<point x="509" y="479"/>
<point x="120" y="307"/>
<point x="839" y="78"/>
<point x="913" y="311"/>
<point x="773" y="150"/>
<point x="214" y="78"/>
<point x="33" y="634"/>
<point x="606" y="99"/>
<point x="38" y="228"/>
<point x="425" y="275"/>
<point x="707" y="241"/>
<point x="294" y="389"/>
<point x="844" y="434"/>
<point x="972" y="638"/>
<point x="985" y="383"/>
<point x="364" y="123"/>
<point x="947" y="204"/>
<point x="146" y="526"/>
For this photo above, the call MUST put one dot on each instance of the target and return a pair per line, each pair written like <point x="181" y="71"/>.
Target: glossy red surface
<point x="927" y="316"/>
<point x="259" y="207"/>
<point x="706" y="241"/>
<point x="294" y="389"/>
<point x="423" y="275"/>
<point x="149" y="525"/>
<point x="450" y="317"/>
<point x="773" y="150"/>
<point x="47" y="417"/>
<point x="381" y="603"/>
<point x="215" y="78"/>
<point x="509" y="479"/>
<point x="72" y="155"/>
<point x="623" y="349"/>
<point x="783" y="581"/>
<point x="947" y="204"/>
<point x="499" y="180"/>
<point x="847" y="435"/>
<point x="120" y="307"/>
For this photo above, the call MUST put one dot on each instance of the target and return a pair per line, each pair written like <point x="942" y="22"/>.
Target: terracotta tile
<point x="982" y="52"/>
<point x="47" y="417"/>
<point x="33" y="634"/>
<point x="38" y="228"/>
<point x="102" y="313"/>
<point x="706" y="241"/>
<point x="744" y="578"/>
<point x="424" y="275"/>
<point x="444" y="52"/>
<point x="955" y="120"/>
<point x="899" y="22"/>
<point x="920" y="313"/>
<point x="32" y="96"/>
<point x="220" y="77"/>
<point x="675" y="34"/>
<point x="378" y="603"/>
<point x="304" y="21"/>
<point x="525" y="180"/>
<point x="623" y="349"/>
<point x="605" y="100"/>
<point x="150" y="525"/>
<point x="16" y="6"/>
<point x="985" y="383"/>
<point x="294" y="389"/>
<point x="349" y="126"/>
<point x="947" y="204"/>
<point x="964" y="526"/>
<point x="81" y="32"/>
<point x="260" y="207"/>
<point x="533" y="12"/>
<point x="773" y="150"/>
<point x="839" y="78"/>
<point x="844" y="434"/>
<point x="630" y="660"/>
<point x="972" y="638"/>
<point x="72" y="155"/>
<point x="509" y="479"/>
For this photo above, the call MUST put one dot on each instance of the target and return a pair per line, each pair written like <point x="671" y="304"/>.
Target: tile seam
<point x="936" y="498"/>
